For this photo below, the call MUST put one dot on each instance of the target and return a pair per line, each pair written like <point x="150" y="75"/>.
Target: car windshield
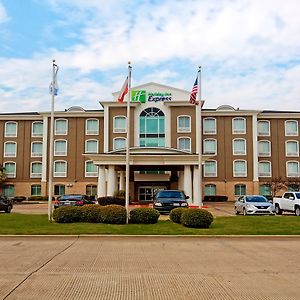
<point x="256" y="199"/>
<point x="170" y="194"/>
<point x="71" y="197"/>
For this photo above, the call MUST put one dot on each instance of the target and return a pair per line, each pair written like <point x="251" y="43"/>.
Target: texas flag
<point x="123" y="91"/>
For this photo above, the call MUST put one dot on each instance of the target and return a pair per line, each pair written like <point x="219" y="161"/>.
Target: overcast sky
<point x="249" y="50"/>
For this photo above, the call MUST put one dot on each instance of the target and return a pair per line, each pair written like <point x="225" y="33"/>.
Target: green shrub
<point x="175" y="214"/>
<point x="67" y="214"/>
<point x="196" y="218"/>
<point x="91" y="213"/>
<point x="19" y="198"/>
<point x="109" y="200"/>
<point x="144" y="215"/>
<point x="39" y="198"/>
<point x="114" y="214"/>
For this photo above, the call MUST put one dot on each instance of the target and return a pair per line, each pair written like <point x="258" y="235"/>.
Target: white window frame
<point x="89" y="174"/>
<point x="264" y="154"/>
<point x="56" y="153"/>
<point x="293" y="174"/>
<point x="234" y="131"/>
<point x="210" y="174"/>
<point x="285" y="128"/>
<point x="67" y="126"/>
<point x="186" y="138"/>
<point x="265" y="174"/>
<point x="36" y="154"/>
<point x="11" y="175"/>
<point x="91" y="140"/>
<point x="60" y="174"/>
<point x="209" y="132"/>
<point x="207" y="152"/>
<point x="234" y="151"/>
<point x="36" y="134"/>
<point x="119" y="130"/>
<point x="114" y="142"/>
<point x="91" y="132"/>
<point x="35" y="175"/>
<point x="291" y="154"/>
<point x="262" y="133"/>
<point x="10" y="154"/>
<point x="184" y="129"/>
<point x="237" y="174"/>
<point x="5" y="129"/>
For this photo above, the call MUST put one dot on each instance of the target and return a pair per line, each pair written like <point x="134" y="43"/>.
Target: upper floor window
<point x="238" y="125"/>
<point x="61" y="127"/>
<point x="10" y="169"/>
<point x="184" y="144"/>
<point x="239" y="168"/>
<point x="264" y="169"/>
<point x="292" y="169"/>
<point x="263" y="128"/>
<point x="90" y="169"/>
<point x="239" y="190"/>
<point x="183" y="124"/>
<point x="60" y="168"/>
<point x="209" y="126"/>
<point x="264" y="148"/>
<point x="291" y="128"/>
<point x="10" y="149"/>
<point x="210" y="146"/>
<point x="10" y="129"/>
<point x="210" y="168"/>
<point x="91" y="146"/>
<point x="36" y="149"/>
<point x="92" y="127"/>
<point x="119" y="143"/>
<point x="210" y="190"/>
<point x="239" y="147"/>
<point x="36" y="170"/>
<point x="37" y="129"/>
<point x="119" y="124"/>
<point x="60" y="148"/>
<point x="291" y="148"/>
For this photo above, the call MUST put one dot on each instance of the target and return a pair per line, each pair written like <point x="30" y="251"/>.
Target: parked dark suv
<point x="5" y="204"/>
<point x="73" y="200"/>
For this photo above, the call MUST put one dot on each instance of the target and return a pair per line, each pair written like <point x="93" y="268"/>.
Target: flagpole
<point x="128" y="145"/>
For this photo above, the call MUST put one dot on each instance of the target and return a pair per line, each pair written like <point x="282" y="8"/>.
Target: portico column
<point x="196" y="187"/>
<point x="122" y="181"/>
<point x="187" y="183"/>
<point x="180" y="180"/>
<point x="111" y="180"/>
<point x="101" y="190"/>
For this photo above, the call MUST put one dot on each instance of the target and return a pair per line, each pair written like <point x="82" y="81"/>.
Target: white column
<point x="196" y="187"/>
<point x="111" y="181"/>
<point x="122" y="181"/>
<point x="187" y="183"/>
<point x="180" y="180"/>
<point x="101" y="189"/>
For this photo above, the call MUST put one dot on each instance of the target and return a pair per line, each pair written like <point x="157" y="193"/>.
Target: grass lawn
<point x="236" y="225"/>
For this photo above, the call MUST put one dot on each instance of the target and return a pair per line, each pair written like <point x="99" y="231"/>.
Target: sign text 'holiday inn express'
<point x="142" y="96"/>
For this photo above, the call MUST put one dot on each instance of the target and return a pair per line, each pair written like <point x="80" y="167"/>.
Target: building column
<point x="122" y="181"/>
<point x="111" y="180"/>
<point x="180" y="180"/>
<point x="187" y="183"/>
<point x="196" y="187"/>
<point x="101" y="188"/>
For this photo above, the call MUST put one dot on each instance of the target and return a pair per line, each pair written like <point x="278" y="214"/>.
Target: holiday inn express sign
<point x="142" y="96"/>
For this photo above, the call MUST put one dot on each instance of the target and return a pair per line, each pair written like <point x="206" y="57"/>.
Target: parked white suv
<point x="290" y="201"/>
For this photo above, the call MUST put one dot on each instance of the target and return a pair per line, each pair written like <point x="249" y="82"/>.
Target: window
<point x="60" y="168"/>
<point x="10" y="169"/>
<point x="209" y="146"/>
<point x="265" y="190"/>
<point x="183" y="124"/>
<point x="291" y="128"/>
<point x="10" y="149"/>
<point x="264" y="148"/>
<point x="239" y="168"/>
<point x="210" y="168"/>
<point x="291" y="148"/>
<point x="263" y="128"/>
<point x="239" y="147"/>
<point x="239" y="190"/>
<point x="60" y="148"/>
<point x="238" y="125"/>
<point x="119" y="143"/>
<point x="90" y="169"/>
<point x="10" y="129"/>
<point x="36" y="190"/>
<point x="184" y="144"/>
<point x="8" y="190"/>
<point x="264" y="169"/>
<point x="292" y="169"/>
<point x="59" y="189"/>
<point x="91" y="146"/>
<point x="119" y="124"/>
<point x="37" y="129"/>
<point x="61" y="127"/>
<point x="36" y="170"/>
<point x="209" y="126"/>
<point x="91" y="190"/>
<point x="36" y="149"/>
<point x="210" y="190"/>
<point x="92" y="127"/>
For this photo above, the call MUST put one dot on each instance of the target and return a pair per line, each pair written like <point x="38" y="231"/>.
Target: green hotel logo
<point x="138" y="96"/>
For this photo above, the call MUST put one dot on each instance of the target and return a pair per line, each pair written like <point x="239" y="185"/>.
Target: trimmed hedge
<point x="215" y="198"/>
<point x="67" y="214"/>
<point x="175" y="214"/>
<point x="144" y="215"/>
<point x="19" y="198"/>
<point x="109" y="200"/>
<point x="114" y="214"/>
<point x="91" y="213"/>
<point x="39" y="198"/>
<point x="196" y="218"/>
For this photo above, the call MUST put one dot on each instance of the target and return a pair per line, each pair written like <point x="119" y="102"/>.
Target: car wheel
<point x="244" y="212"/>
<point x="8" y="209"/>
<point x="236" y="211"/>
<point x="278" y="211"/>
<point x="297" y="211"/>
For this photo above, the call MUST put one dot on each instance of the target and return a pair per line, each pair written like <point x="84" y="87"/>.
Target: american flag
<point x="194" y="92"/>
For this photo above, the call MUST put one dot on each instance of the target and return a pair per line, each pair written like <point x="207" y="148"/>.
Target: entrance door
<point x="146" y="193"/>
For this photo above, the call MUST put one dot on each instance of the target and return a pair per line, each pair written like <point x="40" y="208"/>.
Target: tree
<point x="2" y="174"/>
<point x="277" y="184"/>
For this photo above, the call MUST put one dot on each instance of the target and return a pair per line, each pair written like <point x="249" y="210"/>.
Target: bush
<point x="111" y="200"/>
<point x="67" y="214"/>
<point x="19" y="198"/>
<point x="215" y="198"/>
<point x="114" y="214"/>
<point x="91" y="213"/>
<point x="196" y="218"/>
<point x="39" y="198"/>
<point x="175" y="214"/>
<point x="144" y="216"/>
